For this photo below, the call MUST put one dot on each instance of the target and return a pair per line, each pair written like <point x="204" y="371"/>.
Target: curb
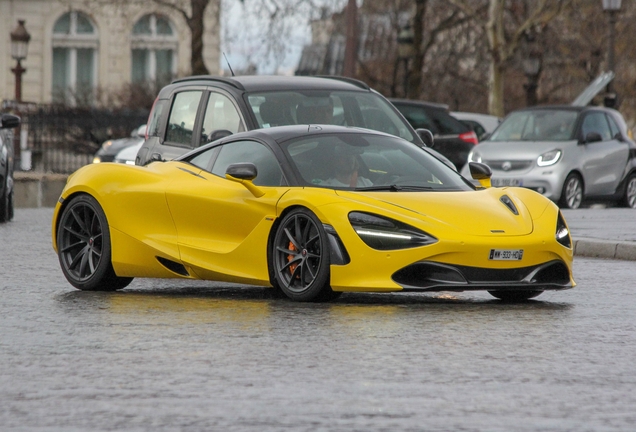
<point x="595" y="248"/>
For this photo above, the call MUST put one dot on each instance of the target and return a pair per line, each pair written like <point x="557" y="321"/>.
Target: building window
<point x="154" y="50"/>
<point x="75" y="43"/>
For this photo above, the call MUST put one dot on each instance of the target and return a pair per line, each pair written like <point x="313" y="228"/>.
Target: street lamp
<point x="19" y="45"/>
<point x="406" y="50"/>
<point x="532" y="69"/>
<point x="611" y="7"/>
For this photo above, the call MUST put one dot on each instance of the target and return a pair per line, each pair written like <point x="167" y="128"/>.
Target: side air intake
<point x="174" y="267"/>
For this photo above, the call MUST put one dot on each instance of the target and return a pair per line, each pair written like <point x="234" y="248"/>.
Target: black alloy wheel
<point x="300" y="258"/>
<point x="84" y="248"/>
<point x="572" y="193"/>
<point x="629" y="197"/>
<point x="515" y="296"/>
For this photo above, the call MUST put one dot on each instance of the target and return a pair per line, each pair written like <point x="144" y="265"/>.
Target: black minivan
<point x="453" y="138"/>
<point x="7" y="123"/>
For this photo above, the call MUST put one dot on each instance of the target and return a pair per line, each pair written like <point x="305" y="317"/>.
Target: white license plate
<point x="506" y="254"/>
<point x="499" y="182"/>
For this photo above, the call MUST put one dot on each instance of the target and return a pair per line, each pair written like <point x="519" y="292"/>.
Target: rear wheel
<point x="84" y="248"/>
<point x="629" y="197"/>
<point x="514" y="296"/>
<point x="300" y="258"/>
<point x="572" y="194"/>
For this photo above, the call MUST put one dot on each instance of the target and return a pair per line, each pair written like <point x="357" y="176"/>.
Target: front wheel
<point x="629" y="197"/>
<point x="515" y="296"/>
<point x="84" y="248"/>
<point x="300" y="257"/>
<point x="572" y="193"/>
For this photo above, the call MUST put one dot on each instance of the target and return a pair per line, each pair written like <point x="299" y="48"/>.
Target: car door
<point x="179" y="135"/>
<point x="603" y="161"/>
<point x="222" y="227"/>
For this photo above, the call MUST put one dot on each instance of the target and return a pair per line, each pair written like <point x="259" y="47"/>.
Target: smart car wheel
<point x="84" y="249"/>
<point x="629" y="198"/>
<point x="572" y="194"/>
<point x="300" y="257"/>
<point x="513" y="296"/>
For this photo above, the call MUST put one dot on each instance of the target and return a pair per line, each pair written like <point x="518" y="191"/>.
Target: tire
<point x="300" y="258"/>
<point x="629" y="196"/>
<point x="572" y="193"/>
<point x="6" y="204"/>
<point x="84" y="248"/>
<point x="515" y="296"/>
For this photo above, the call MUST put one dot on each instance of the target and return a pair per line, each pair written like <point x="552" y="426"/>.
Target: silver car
<point x="567" y="153"/>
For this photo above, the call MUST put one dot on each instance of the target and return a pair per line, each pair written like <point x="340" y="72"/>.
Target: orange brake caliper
<point x="290" y="257"/>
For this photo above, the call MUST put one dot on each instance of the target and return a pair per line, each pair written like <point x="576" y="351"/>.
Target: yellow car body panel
<point x="219" y="230"/>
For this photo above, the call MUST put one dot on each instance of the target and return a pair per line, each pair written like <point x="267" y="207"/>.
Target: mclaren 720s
<point x="312" y="211"/>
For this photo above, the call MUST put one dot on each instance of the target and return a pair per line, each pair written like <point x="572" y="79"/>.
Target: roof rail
<point x="225" y="80"/>
<point x="353" y="81"/>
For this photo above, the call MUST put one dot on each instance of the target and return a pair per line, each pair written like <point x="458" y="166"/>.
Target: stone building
<point x="82" y="49"/>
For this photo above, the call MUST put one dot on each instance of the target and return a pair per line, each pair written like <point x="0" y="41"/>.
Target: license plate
<point x="499" y="182"/>
<point x="506" y="254"/>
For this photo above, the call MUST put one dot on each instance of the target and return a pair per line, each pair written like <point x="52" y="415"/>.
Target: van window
<point x="182" y="117"/>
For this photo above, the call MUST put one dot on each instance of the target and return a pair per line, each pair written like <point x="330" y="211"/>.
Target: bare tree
<point x="505" y="35"/>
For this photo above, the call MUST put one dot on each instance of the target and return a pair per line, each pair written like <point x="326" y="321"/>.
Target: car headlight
<point x="97" y="159"/>
<point x="383" y="233"/>
<point x="474" y="156"/>
<point x="549" y="158"/>
<point x="562" y="232"/>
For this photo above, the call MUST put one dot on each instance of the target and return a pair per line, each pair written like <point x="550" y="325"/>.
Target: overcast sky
<point x="244" y="36"/>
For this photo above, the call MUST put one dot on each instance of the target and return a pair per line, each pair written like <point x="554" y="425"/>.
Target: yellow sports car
<point x="312" y="211"/>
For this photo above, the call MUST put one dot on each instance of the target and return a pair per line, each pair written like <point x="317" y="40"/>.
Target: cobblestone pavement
<point x="169" y="355"/>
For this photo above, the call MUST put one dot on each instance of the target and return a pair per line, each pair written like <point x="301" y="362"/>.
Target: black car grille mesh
<point x="504" y="165"/>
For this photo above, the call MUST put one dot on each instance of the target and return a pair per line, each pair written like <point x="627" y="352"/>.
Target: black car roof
<point x="256" y="83"/>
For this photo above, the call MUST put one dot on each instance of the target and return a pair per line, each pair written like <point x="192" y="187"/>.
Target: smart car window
<point x="359" y="109"/>
<point x="182" y="117"/>
<point x="267" y="166"/>
<point x="221" y="116"/>
<point x="537" y="125"/>
<point x="616" y="132"/>
<point x="596" y="122"/>
<point x="348" y="161"/>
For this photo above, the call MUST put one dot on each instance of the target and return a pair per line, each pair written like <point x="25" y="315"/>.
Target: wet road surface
<point x="197" y="356"/>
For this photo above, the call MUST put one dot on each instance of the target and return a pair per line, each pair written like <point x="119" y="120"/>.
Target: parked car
<point x="566" y="153"/>
<point x="312" y="211"/>
<point x="452" y="138"/>
<point x="194" y="111"/>
<point x="7" y="123"/>
<point x="127" y="155"/>
<point x="110" y="148"/>
<point x="482" y="124"/>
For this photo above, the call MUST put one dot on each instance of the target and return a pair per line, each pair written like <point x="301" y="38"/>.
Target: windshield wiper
<point x="390" y="188"/>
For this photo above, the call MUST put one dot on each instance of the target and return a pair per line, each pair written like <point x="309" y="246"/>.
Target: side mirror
<point x="480" y="172"/>
<point x="593" y="137"/>
<point x="9" y="121"/>
<point x="426" y="136"/>
<point x="244" y="173"/>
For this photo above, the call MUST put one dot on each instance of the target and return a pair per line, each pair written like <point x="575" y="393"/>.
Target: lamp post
<point x="19" y="45"/>
<point x="532" y="68"/>
<point x="406" y="50"/>
<point x="611" y="8"/>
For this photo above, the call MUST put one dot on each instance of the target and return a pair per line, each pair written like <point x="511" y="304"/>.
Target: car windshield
<point x="369" y="162"/>
<point x="537" y="125"/>
<point x="359" y="109"/>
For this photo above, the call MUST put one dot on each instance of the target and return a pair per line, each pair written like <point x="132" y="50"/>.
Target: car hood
<point x="480" y="213"/>
<point x="518" y="150"/>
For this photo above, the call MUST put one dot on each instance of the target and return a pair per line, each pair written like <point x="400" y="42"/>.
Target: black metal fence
<point x="62" y="139"/>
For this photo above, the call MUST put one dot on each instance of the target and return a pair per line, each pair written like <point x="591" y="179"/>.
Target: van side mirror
<point x="426" y="136"/>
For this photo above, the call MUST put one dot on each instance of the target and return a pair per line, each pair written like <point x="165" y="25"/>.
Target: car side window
<point x="267" y="166"/>
<point x="616" y="132"/>
<point x="596" y="122"/>
<point x="221" y="117"/>
<point x="418" y="118"/>
<point x="182" y="117"/>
